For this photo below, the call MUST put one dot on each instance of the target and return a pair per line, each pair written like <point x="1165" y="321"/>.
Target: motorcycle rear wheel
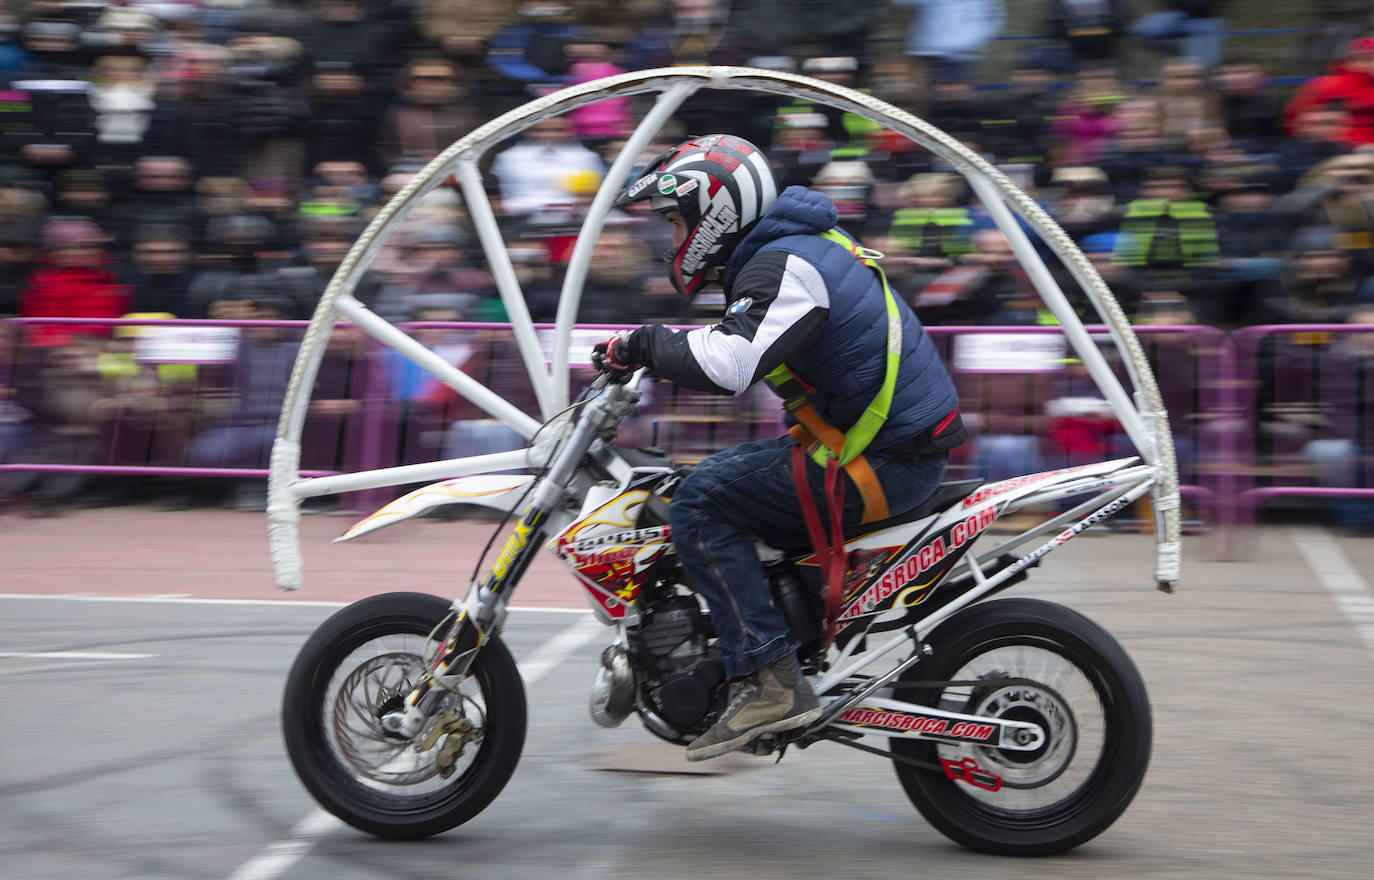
<point x="1087" y="695"/>
<point x="358" y="665"/>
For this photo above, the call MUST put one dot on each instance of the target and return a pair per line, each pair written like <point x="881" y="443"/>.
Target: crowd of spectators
<point x="216" y="158"/>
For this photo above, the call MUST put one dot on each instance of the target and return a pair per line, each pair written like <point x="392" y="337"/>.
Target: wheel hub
<point x="1035" y="704"/>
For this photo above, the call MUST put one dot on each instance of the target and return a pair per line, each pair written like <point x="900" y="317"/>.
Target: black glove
<point x="612" y="357"/>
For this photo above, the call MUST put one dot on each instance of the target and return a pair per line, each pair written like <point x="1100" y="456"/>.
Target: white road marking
<point x="278" y="857"/>
<point x="73" y="655"/>
<point x="175" y="600"/>
<point x="1349" y="590"/>
<point x="558" y="648"/>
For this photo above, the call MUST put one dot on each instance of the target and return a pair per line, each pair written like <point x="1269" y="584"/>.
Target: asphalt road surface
<point x="140" y="732"/>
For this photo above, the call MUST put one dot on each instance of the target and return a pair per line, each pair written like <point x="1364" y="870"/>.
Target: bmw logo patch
<point x="740" y="305"/>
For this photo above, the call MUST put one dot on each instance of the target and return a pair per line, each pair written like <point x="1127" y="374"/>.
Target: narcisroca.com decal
<point x="906" y="723"/>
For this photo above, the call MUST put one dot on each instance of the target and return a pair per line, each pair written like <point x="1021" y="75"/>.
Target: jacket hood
<point x="798" y="211"/>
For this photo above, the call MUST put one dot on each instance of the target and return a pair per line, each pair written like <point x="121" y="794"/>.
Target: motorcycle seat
<point x="944" y="495"/>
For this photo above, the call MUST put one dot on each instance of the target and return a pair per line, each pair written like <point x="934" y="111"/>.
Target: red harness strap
<point x="829" y="554"/>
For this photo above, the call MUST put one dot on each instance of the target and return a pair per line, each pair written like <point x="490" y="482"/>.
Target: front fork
<point x="483" y="610"/>
<point x="479" y="618"/>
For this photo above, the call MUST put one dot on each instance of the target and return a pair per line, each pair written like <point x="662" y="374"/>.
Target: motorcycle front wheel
<point x="1051" y="666"/>
<point x="359" y="665"/>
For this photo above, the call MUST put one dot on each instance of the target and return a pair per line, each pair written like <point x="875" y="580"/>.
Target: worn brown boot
<point x="777" y="697"/>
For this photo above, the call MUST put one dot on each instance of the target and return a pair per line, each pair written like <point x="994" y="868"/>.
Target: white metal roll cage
<point x="1142" y="415"/>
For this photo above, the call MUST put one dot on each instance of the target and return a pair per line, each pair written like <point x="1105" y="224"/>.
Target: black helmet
<point x="721" y="185"/>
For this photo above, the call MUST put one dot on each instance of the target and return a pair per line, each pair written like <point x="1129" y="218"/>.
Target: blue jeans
<point x="746" y="493"/>
<point x="1003" y="456"/>
<point x="1204" y="39"/>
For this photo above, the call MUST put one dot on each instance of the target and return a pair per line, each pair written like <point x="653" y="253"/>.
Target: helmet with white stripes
<point x="721" y="185"/>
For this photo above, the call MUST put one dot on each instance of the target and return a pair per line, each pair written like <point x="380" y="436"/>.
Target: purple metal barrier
<point x="1208" y="379"/>
<point x="1297" y="402"/>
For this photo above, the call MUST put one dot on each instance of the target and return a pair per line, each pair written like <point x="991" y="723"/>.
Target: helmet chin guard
<point x="721" y="185"/>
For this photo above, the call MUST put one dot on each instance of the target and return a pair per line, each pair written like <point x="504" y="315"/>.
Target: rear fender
<point x="497" y="491"/>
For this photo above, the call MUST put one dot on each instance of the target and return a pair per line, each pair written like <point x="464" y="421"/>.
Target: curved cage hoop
<point x="1141" y="411"/>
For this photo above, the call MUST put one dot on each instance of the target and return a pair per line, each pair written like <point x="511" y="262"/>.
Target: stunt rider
<point x="810" y="311"/>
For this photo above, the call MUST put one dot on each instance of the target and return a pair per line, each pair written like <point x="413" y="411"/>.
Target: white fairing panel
<point x="500" y="492"/>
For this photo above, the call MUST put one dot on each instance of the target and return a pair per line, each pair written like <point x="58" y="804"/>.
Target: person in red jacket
<point x="1351" y="84"/>
<point x="74" y="281"/>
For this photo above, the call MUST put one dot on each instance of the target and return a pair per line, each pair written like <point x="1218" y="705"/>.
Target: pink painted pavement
<point x="222" y="554"/>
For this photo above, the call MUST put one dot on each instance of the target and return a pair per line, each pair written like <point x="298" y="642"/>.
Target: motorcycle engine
<point x="682" y="672"/>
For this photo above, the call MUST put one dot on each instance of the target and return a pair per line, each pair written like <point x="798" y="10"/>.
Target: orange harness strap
<point x="806" y="434"/>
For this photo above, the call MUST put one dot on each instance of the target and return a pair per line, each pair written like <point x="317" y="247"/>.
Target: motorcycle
<point x="1015" y="725"/>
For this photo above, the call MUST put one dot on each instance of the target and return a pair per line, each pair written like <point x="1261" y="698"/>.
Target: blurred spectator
<point x="1084" y="205"/>
<point x="22" y="206"/>
<point x="325" y="241"/>
<point x="1249" y="105"/>
<point x="435" y="110"/>
<point x="821" y="26"/>
<point x="532" y="53"/>
<point x="538" y="280"/>
<point x="261" y="369"/>
<point x="161" y="193"/>
<point x="342" y="35"/>
<point x="1137" y="146"/>
<point x="605" y="120"/>
<point x="932" y="230"/>
<point x="16" y="263"/>
<point x="619" y="22"/>
<point x="55" y="127"/>
<point x="270" y="108"/>
<point x="1317" y="133"/>
<point x="275" y="199"/>
<point x="1086" y="121"/>
<point x="12" y="55"/>
<point x="702" y="32"/>
<point x="159" y="271"/>
<point x="197" y="119"/>
<point x="1334" y="24"/>
<point x="1194" y="23"/>
<point x="122" y="29"/>
<point x="74" y="281"/>
<point x="1252" y="249"/>
<point x="1350" y="84"/>
<point x="1016" y="122"/>
<point x="242" y="269"/>
<point x="851" y="134"/>
<point x="215" y="197"/>
<point x="1000" y="295"/>
<point x="1123" y="281"/>
<point x="1170" y="237"/>
<point x="81" y="192"/>
<point x="849" y="184"/>
<point x="557" y="224"/>
<point x="955" y="106"/>
<point x="1185" y="103"/>
<point x="1079" y="423"/>
<point x="1087" y="30"/>
<point x="801" y="147"/>
<point x="121" y="94"/>
<point x="616" y="279"/>
<point x="435" y="265"/>
<point x="462" y="29"/>
<point x="60" y="406"/>
<point x="344" y="116"/>
<point x="1335" y="454"/>
<point x="1339" y="194"/>
<point x="945" y="37"/>
<point x="1320" y="286"/>
<point x="534" y="172"/>
<point x="53" y="50"/>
